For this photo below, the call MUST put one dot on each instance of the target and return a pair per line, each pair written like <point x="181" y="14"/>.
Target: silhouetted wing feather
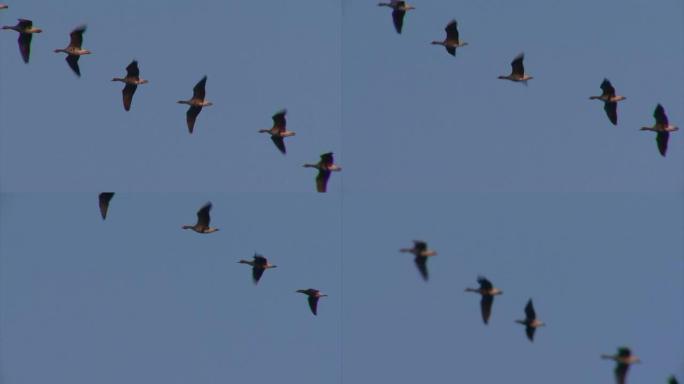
<point x="421" y="263"/>
<point x="660" y="116"/>
<point x="486" y="307"/>
<point x="256" y="273"/>
<point x="203" y="218"/>
<point x="662" y="139"/>
<point x="198" y="91"/>
<point x="398" y="19"/>
<point x="322" y="181"/>
<point x="72" y="60"/>
<point x="103" y="199"/>
<point x="76" y="37"/>
<point x="517" y="65"/>
<point x="611" y="111"/>
<point x="191" y="116"/>
<point x="127" y="93"/>
<point x="529" y="311"/>
<point x="530" y="332"/>
<point x="132" y="70"/>
<point x="24" y="42"/>
<point x="279" y="120"/>
<point x="452" y="31"/>
<point x="313" y="304"/>
<point x="279" y="143"/>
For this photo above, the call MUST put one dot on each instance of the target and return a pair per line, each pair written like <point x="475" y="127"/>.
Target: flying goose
<point x="624" y="359"/>
<point x="26" y="30"/>
<point x="279" y="130"/>
<point x="4" y="6"/>
<point x="259" y="265"/>
<point x="662" y="127"/>
<point x="531" y="322"/>
<point x="399" y="11"/>
<point x="421" y="252"/>
<point x="103" y="200"/>
<point x="132" y="80"/>
<point x="196" y="103"/>
<point x="488" y="292"/>
<point x="203" y="220"/>
<point x="451" y="41"/>
<point x="74" y="50"/>
<point x="324" y="166"/>
<point x="517" y="70"/>
<point x="609" y="100"/>
<point x="314" y="295"/>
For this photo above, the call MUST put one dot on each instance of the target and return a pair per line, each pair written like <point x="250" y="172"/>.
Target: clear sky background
<point x="420" y="136"/>
<point x="400" y="114"/>
<point x="137" y="299"/>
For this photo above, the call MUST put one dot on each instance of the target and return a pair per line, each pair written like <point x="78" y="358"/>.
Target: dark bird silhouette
<point x="624" y="359"/>
<point x="518" y="71"/>
<point x="451" y="41"/>
<point x="610" y="100"/>
<point x="399" y="9"/>
<point x="74" y="50"/>
<point x="279" y="131"/>
<point x="132" y="80"/>
<point x="314" y="295"/>
<point x="487" y="291"/>
<point x="26" y="30"/>
<point x="259" y="265"/>
<point x="203" y="219"/>
<point x="421" y="253"/>
<point x="531" y="322"/>
<point x="103" y="199"/>
<point x="324" y="166"/>
<point x="196" y="103"/>
<point x="662" y="127"/>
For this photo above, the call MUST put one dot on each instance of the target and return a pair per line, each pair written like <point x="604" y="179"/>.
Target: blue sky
<point x="352" y="86"/>
<point x="142" y="300"/>
<point x="493" y="174"/>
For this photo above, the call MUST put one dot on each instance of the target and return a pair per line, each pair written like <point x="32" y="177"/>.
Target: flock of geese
<point x="132" y="80"/>
<point x="451" y="42"/>
<point x="326" y="165"/>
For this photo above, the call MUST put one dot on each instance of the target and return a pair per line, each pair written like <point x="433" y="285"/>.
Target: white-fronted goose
<point x="203" y="219"/>
<point x="451" y="41"/>
<point x="259" y="265"/>
<point x="196" y="103"/>
<point x="517" y="70"/>
<point x="399" y="9"/>
<point x="324" y="166"/>
<point x="132" y="80"/>
<point x="488" y="292"/>
<point x="74" y="50"/>
<point x="26" y="30"/>
<point x="279" y="130"/>
<point x="103" y="200"/>
<point x="314" y="295"/>
<point x="624" y="359"/>
<point x="421" y="253"/>
<point x="531" y="322"/>
<point x="662" y="127"/>
<point x="610" y="100"/>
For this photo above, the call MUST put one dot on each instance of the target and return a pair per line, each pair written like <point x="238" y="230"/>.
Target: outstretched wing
<point x="452" y="31"/>
<point x="76" y="37"/>
<point x="662" y="138"/>
<point x="127" y="93"/>
<point x="24" y="42"/>
<point x="279" y="143"/>
<point x="198" y="91"/>
<point x="72" y="60"/>
<point x="421" y="263"/>
<point x="486" y="307"/>
<point x="517" y="65"/>
<point x="611" y="111"/>
<point x="132" y="70"/>
<point x="103" y="200"/>
<point x="313" y="304"/>
<point x="398" y="19"/>
<point x="607" y="88"/>
<point x="279" y="120"/>
<point x="203" y="218"/>
<point x="322" y="181"/>
<point x="191" y="116"/>
<point x="660" y="116"/>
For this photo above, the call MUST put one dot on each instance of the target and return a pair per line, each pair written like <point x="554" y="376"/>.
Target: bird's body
<point x="610" y="100"/>
<point x="132" y="80"/>
<point x="487" y="291"/>
<point x="279" y="131"/>
<point x="26" y="30"/>
<point x="314" y="295"/>
<point x="421" y="253"/>
<point x="530" y="322"/>
<point x="451" y="41"/>
<point x="259" y="265"/>
<point x="517" y="70"/>
<point x="399" y="9"/>
<point x="103" y="201"/>
<point x="624" y="359"/>
<point x="325" y="166"/>
<point x="662" y="127"/>
<point x="203" y="219"/>
<point x="196" y="103"/>
<point x="74" y="50"/>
